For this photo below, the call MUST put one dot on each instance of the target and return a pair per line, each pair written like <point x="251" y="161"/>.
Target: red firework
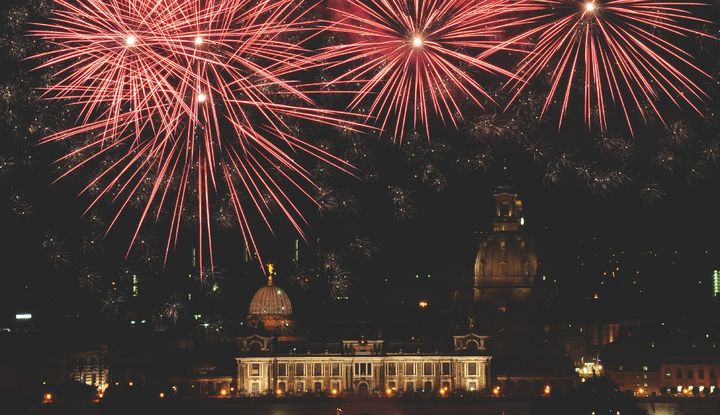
<point x="411" y="57"/>
<point x="192" y="89"/>
<point x="620" y="48"/>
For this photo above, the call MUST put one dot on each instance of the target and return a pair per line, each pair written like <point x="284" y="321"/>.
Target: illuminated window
<point x="255" y="387"/>
<point x="445" y="368"/>
<point x="472" y="369"/>
<point x="282" y="387"/>
<point x="300" y="387"/>
<point x="409" y="368"/>
<point x="391" y="369"/>
<point x="255" y="369"/>
<point x="335" y="369"/>
<point x="335" y="386"/>
<point x="317" y="369"/>
<point x="282" y="369"/>
<point x="427" y="368"/>
<point x="392" y="385"/>
<point x="472" y="386"/>
<point x="299" y="369"/>
<point x="668" y="374"/>
<point x="446" y="386"/>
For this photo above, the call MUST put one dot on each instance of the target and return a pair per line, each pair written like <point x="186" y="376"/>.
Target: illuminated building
<point x="506" y="262"/>
<point x="362" y="367"/>
<point x="716" y="283"/>
<point x="690" y="375"/>
<point x="90" y="367"/>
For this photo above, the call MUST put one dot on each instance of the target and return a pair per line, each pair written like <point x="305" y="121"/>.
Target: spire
<point x="508" y="206"/>
<point x="271" y="271"/>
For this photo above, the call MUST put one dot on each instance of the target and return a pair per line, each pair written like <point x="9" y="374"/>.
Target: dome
<point x="270" y="301"/>
<point x="506" y="255"/>
<point x="506" y="262"/>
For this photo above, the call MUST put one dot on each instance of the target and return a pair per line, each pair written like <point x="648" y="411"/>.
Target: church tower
<point x="506" y="262"/>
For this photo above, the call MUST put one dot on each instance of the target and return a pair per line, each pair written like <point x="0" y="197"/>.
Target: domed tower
<point x="506" y="262"/>
<point x="270" y="306"/>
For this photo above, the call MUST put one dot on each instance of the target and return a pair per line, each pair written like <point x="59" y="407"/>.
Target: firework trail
<point x="621" y="51"/>
<point x="410" y="59"/>
<point x="195" y="96"/>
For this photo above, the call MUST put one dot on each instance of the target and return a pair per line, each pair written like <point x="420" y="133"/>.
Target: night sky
<point x="655" y="217"/>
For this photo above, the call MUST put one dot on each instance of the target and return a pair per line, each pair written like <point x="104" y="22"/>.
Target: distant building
<point x="638" y="380"/>
<point x="690" y="375"/>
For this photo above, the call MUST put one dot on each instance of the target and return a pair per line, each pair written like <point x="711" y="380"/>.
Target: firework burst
<point x="194" y="97"/>
<point x="621" y="51"/>
<point x="409" y="59"/>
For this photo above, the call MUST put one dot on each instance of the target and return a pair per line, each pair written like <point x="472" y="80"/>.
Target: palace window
<point x="255" y="369"/>
<point x="690" y="374"/>
<point x="427" y="386"/>
<point x="282" y="369"/>
<point x="445" y="368"/>
<point x="427" y="368"/>
<point x="299" y="369"/>
<point x="392" y="385"/>
<point x="391" y="369"/>
<point x="701" y="373"/>
<point x="318" y="387"/>
<point x="446" y="385"/>
<point x="317" y="369"/>
<point x="409" y="368"/>
<point x="335" y="369"/>
<point x="678" y="374"/>
<point x="282" y="387"/>
<point x="712" y="373"/>
<point x="472" y="369"/>
<point x="300" y="387"/>
<point x="668" y="374"/>
<point x="255" y="387"/>
<point x="472" y="386"/>
<point x="335" y="387"/>
<point x="409" y="387"/>
<point x="363" y="369"/>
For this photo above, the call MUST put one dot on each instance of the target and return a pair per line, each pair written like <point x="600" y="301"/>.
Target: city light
<point x="496" y="391"/>
<point x="162" y="395"/>
<point x="23" y="316"/>
<point x="48" y="398"/>
<point x="423" y="304"/>
<point x="546" y="391"/>
<point x="223" y="392"/>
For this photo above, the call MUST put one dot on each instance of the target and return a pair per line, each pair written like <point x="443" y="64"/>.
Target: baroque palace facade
<point x="362" y="367"/>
